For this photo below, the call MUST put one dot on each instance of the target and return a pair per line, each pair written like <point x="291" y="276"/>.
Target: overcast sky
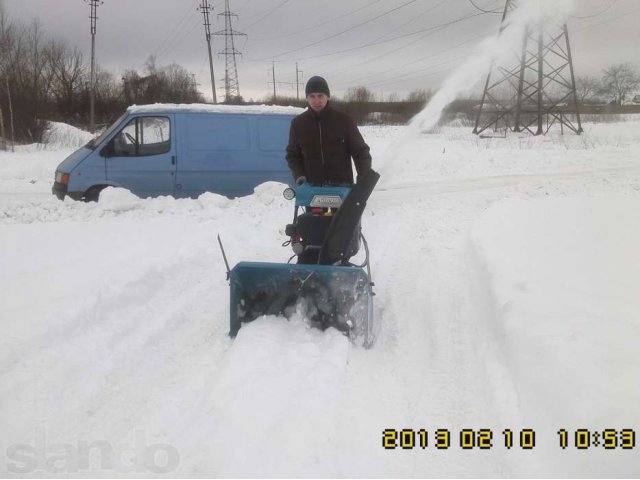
<point x="382" y="44"/>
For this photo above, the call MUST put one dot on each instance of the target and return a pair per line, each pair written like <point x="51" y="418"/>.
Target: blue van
<point x="182" y="150"/>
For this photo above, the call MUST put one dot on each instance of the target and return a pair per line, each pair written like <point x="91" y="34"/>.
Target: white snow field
<point x="507" y="278"/>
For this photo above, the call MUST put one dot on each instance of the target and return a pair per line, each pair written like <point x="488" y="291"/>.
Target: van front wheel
<point x="93" y="194"/>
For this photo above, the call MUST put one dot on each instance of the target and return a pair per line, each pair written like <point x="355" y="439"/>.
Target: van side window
<point x="143" y="136"/>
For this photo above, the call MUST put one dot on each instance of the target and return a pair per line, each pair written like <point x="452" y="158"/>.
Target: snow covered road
<point x="506" y="278"/>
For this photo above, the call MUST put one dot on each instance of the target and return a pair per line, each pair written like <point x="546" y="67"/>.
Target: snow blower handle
<point x="224" y="256"/>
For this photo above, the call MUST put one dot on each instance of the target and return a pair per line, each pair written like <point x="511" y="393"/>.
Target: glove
<point x="300" y="180"/>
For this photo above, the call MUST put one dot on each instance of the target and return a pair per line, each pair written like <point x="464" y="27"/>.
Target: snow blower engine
<point x="332" y="291"/>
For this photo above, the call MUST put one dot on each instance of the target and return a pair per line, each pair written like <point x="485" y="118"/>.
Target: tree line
<point x="44" y="78"/>
<point x="619" y="84"/>
<point x="366" y="107"/>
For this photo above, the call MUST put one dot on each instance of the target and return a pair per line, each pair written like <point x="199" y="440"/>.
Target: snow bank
<point x="62" y="135"/>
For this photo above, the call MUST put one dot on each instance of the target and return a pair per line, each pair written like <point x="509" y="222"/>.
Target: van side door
<point x="212" y="154"/>
<point x="142" y="155"/>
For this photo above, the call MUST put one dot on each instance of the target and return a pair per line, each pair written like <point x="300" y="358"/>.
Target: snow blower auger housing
<point x="333" y="292"/>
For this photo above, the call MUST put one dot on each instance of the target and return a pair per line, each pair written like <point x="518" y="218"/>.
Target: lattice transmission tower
<point x="231" y="84"/>
<point x="537" y="90"/>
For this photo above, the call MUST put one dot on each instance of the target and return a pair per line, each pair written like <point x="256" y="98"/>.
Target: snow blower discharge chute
<point x="324" y="235"/>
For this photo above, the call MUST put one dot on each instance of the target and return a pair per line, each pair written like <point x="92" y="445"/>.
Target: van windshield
<point x="94" y="142"/>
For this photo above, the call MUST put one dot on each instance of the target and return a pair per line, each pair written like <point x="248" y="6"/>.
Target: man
<point x="322" y="141"/>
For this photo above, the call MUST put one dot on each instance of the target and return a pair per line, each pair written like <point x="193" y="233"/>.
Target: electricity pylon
<point x="231" y="84"/>
<point x="537" y="92"/>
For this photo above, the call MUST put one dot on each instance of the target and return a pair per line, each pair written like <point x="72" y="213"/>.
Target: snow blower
<point x="332" y="291"/>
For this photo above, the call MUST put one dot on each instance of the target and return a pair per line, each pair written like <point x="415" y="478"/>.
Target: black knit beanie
<point x="317" y="85"/>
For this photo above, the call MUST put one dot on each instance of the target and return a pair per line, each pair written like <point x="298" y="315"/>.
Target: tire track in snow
<point x="431" y="371"/>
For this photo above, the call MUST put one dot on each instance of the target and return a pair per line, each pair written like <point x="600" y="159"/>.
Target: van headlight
<point x="62" y="178"/>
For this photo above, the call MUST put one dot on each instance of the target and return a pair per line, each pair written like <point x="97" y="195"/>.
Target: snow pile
<point x="119" y="200"/>
<point x="61" y="135"/>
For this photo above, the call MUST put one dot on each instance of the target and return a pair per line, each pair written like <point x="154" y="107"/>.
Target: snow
<point x="60" y="135"/>
<point x="205" y="107"/>
<point x="506" y="278"/>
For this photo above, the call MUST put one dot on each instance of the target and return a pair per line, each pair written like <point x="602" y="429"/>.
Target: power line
<point x="178" y="27"/>
<point x="414" y="18"/>
<point x="482" y="9"/>
<point x="313" y="27"/>
<point x="433" y="31"/>
<point x="430" y="29"/>
<point x="606" y="21"/>
<point x="413" y="76"/>
<point x="180" y="34"/>
<point x="380" y="42"/>
<point x="339" y="33"/>
<point x="472" y="2"/>
<point x="267" y="14"/>
<point x="413" y="63"/>
<point x="613" y="2"/>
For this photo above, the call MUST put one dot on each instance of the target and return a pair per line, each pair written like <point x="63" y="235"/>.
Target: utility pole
<point x="273" y="76"/>
<point x="94" y="7"/>
<point x="231" y="84"/>
<point x="205" y="8"/>
<point x="298" y="73"/>
<point x="10" y="114"/>
<point x="274" y="82"/>
<point x="3" y="138"/>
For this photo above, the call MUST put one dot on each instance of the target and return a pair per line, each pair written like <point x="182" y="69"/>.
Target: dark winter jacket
<point x="321" y="145"/>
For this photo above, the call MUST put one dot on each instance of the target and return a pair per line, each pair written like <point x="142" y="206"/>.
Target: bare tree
<point x="393" y="98"/>
<point x="172" y="83"/>
<point x="359" y="95"/>
<point x="620" y="80"/>
<point x="586" y="87"/>
<point x="419" y="96"/>
<point x="70" y="76"/>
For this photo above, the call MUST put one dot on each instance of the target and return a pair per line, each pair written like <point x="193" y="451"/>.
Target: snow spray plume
<point x="497" y="49"/>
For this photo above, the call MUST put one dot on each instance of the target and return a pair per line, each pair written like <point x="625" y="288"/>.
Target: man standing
<point x="322" y="141"/>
